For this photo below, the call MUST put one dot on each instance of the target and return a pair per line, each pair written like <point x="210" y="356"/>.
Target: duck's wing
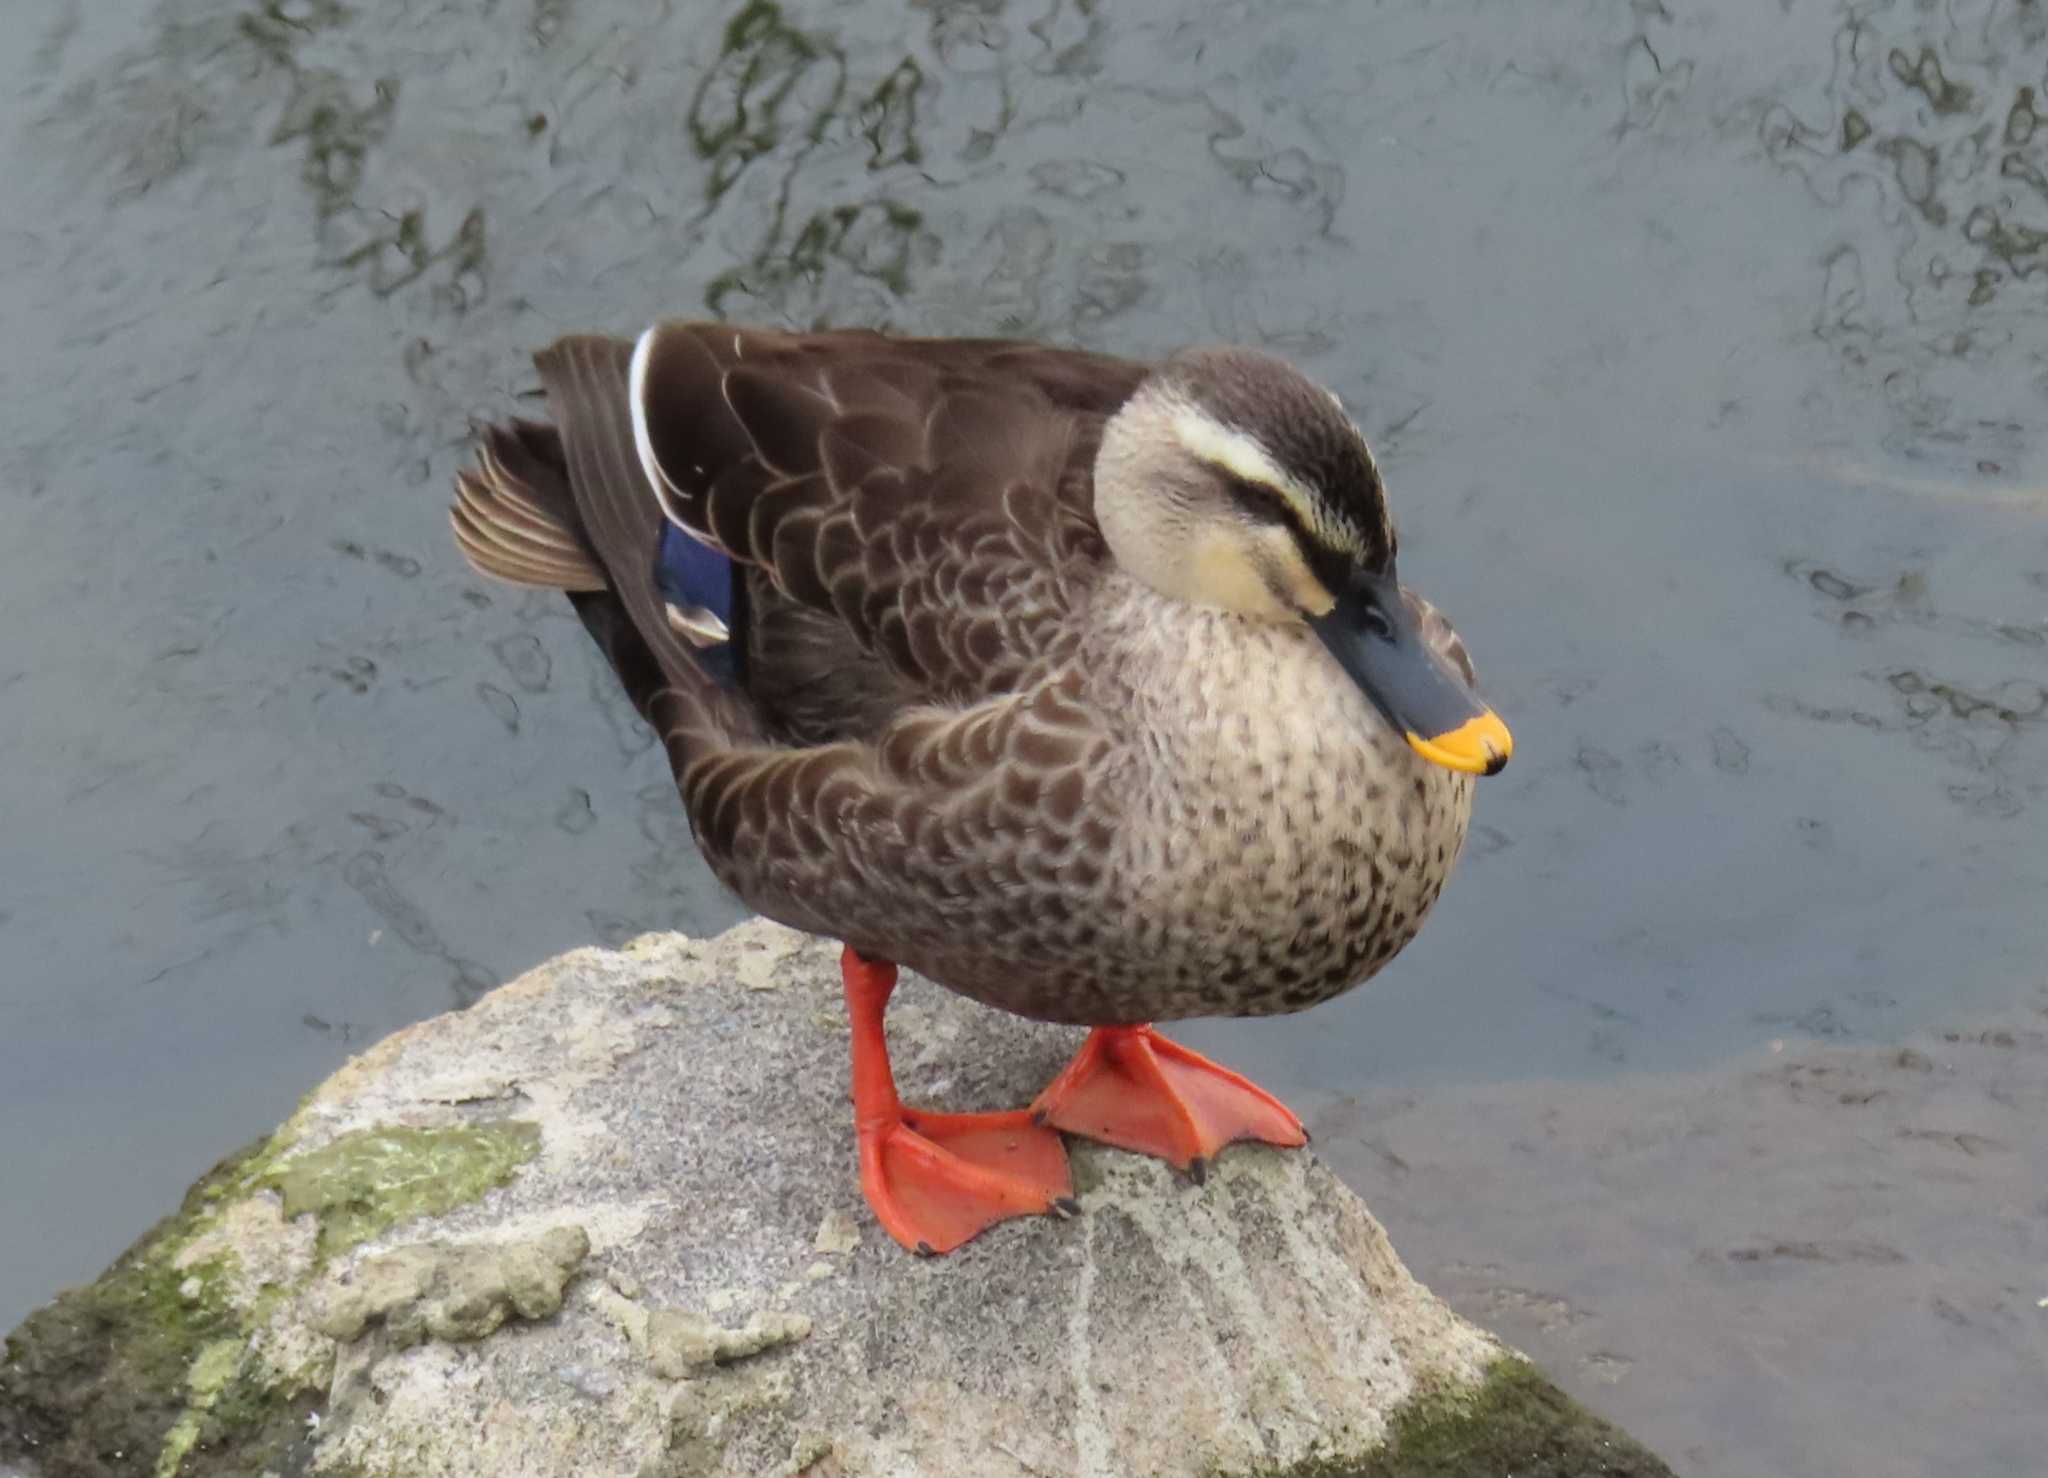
<point x="921" y="507"/>
<point x="930" y="500"/>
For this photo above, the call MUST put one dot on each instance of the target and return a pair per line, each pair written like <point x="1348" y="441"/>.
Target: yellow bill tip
<point x="1479" y="746"/>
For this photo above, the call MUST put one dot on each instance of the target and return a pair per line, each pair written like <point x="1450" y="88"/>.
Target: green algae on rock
<point x="150" y="1362"/>
<point x="212" y="1371"/>
<point x="168" y="1363"/>
<point x="1514" y="1423"/>
<point x="369" y="1180"/>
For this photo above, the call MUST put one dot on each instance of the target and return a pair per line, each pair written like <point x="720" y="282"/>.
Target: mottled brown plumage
<point x="1027" y="702"/>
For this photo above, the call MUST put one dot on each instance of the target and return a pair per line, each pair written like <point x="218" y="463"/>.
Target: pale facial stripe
<point x="1242" y="456"/>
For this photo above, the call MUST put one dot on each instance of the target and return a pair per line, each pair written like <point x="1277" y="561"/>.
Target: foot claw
<point x="1067" y="1206"/>
<point x="1198" y="1170"/>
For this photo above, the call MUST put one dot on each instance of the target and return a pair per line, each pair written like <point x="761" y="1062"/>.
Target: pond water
<point x="1705" y="348"/>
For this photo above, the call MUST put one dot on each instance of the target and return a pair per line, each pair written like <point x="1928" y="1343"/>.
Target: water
<point x="1703" y="348"/>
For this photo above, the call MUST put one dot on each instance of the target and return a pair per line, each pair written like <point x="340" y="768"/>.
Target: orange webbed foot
<point x="937" y="1180"/>
<point x="1135" y="1089"/>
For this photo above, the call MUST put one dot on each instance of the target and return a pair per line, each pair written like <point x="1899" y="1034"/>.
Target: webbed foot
<point x="1135" y="1089"/>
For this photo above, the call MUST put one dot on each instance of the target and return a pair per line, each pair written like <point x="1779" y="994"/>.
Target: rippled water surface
<point x="1705" y="347"/>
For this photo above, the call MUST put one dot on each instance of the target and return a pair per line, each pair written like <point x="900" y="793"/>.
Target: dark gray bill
<point x="1376" y="638"/>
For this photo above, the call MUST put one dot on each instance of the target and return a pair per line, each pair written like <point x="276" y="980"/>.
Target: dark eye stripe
<point x="1266" y="504"/>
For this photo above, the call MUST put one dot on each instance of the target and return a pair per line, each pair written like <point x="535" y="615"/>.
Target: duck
<point x="1084" y="686"/>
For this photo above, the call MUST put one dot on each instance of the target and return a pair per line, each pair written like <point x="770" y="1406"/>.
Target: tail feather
<point x="515" y="517"/>
<point x="497" y="545"/>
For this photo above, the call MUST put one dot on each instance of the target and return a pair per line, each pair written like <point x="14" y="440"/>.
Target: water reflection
<point x="1701" y="346"/>
<point x="1931" y="116"/>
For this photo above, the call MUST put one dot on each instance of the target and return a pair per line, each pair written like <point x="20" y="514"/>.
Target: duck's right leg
<point x="937" y="1180"/>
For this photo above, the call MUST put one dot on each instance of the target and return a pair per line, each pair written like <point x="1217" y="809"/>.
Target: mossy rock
<point x="1515" y="1425"/>
<point x="369" y="1180"/>
<point x="149" y="1370"/>
<point x="95" y="1382"/>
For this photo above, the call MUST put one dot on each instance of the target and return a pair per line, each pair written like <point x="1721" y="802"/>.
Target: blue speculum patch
<point x="691" y="573"/>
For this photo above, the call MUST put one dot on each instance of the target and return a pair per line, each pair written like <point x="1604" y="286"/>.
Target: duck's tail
<point x="567" y="507"/>
<point x="514" y="516"/>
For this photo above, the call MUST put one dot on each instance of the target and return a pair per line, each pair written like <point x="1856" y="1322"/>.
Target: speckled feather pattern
<point x="970" y="742"/>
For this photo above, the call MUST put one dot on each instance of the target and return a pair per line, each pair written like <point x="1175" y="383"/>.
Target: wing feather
<point x="895" y="484"/>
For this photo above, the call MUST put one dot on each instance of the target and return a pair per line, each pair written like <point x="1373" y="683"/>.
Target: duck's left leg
<point x="936" y="1180"/>
<point x="1131" y="1087"/>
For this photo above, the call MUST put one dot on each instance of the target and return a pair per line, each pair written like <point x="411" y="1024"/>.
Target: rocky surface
<point x="606" y="1221"/>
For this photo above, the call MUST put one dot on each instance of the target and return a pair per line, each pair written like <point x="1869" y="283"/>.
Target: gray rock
<point x="607" y="1221"/>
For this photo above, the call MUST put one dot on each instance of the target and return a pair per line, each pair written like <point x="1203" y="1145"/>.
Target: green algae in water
<point x="889" y="117"/>
<point x="370" y="1180"/>
<point x="736" y="114"/>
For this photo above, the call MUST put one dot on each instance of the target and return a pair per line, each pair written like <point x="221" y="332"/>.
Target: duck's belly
<point x="1267" y="855"/>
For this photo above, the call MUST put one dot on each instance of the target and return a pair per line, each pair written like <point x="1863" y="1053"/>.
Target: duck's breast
<point x="1279" y="842"/>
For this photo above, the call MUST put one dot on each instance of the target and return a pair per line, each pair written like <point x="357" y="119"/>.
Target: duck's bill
<point x="1377" y="638"/>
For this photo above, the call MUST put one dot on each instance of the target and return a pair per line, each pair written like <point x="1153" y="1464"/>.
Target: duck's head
<point x="1229" y="479"/>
